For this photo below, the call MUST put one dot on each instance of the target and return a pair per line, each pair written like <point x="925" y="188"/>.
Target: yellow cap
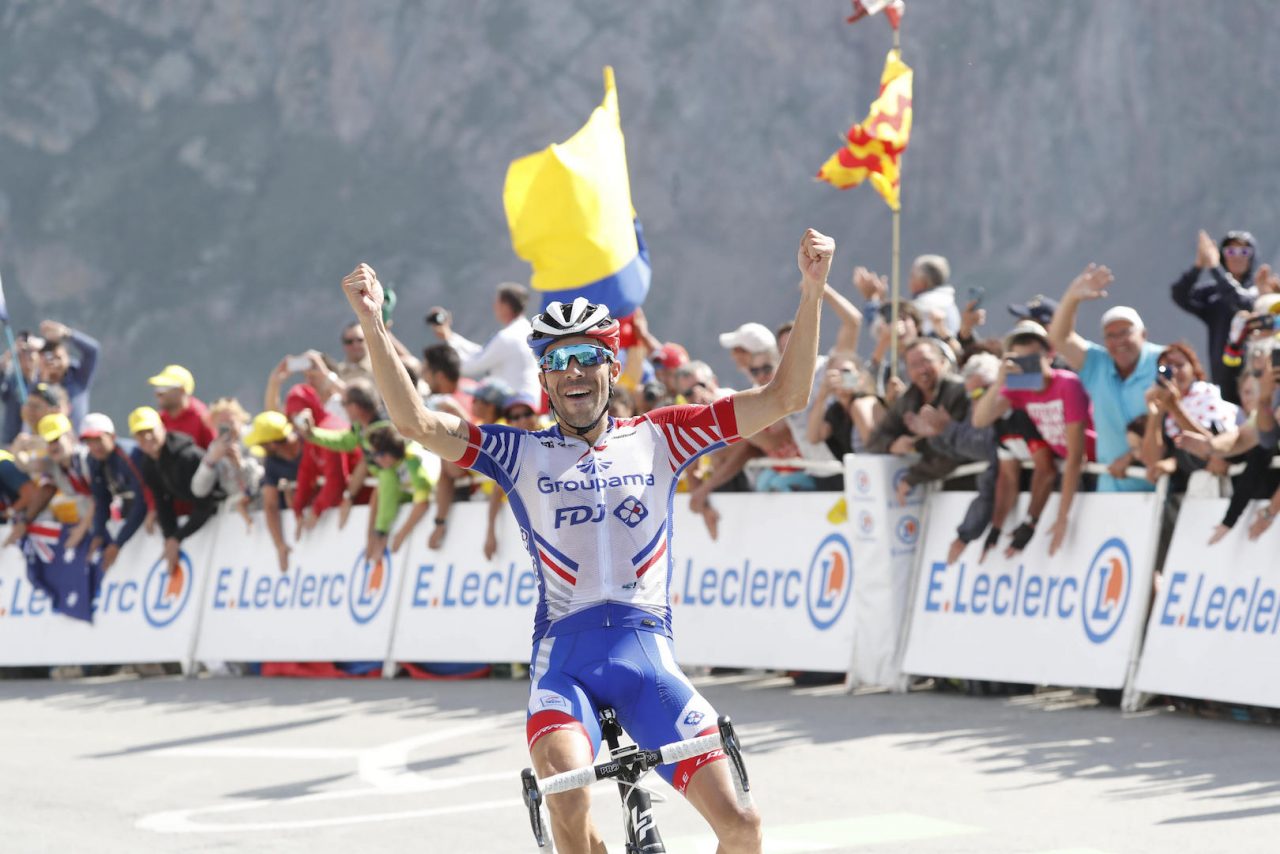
<point x="268" y="427"/>
<point x="53" y="426"/>
<point x="175" y="376"/>
<point x="143" y="418"/>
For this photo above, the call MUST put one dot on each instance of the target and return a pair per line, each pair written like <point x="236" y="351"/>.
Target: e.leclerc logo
<point x="908" y="530"/>
<point x="364" y="588"/>
<point x="1106" y="590"/>
<point x="370" y="581"/>
<point x="862" y="481"/>
<point x="830" y="581"/>
<point x="1026" y="593"/>
<point x="166" y="591"/>
<point x="823" y="592"/>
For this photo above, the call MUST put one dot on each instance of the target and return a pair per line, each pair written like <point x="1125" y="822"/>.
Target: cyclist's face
<point x="579" y="393"/>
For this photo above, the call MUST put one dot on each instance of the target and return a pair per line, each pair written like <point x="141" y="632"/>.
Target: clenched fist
<point x="814" y="257"/>
<point x="363" y="291"/>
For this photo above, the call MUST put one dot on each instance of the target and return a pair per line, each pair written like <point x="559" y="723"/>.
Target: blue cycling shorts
<point x="634" y="671"/>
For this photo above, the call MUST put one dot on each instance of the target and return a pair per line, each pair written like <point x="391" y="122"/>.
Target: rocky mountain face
<point x="189" y="179"/>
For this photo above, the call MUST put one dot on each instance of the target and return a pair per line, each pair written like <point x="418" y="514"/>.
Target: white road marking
<point x="839" y="834"/>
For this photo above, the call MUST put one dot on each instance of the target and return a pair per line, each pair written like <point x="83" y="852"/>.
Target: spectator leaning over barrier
<point x="227" y="464"/>
<point x="115" y="474"/>
<point x="406" y="474"/>
<point x="505" y="356"/>
<point x="363" y="410"/>
<point x="324" y="475"/>
<point x="930" y="384"/>
<point x="1116" y="375"/>
<point x="63" y="483"/>
<point x="74" y="375"/>
<point x="180" y="410"/>
<point x="272" y="432"/>
<point x="1259" y="479"/>
<point x="29" y="365"/>
<point x="169" y="463"/>
<point x="962" y="439"/>
<point x="1056" y="403"/>
<point x="1217" y="286"/>
<point x="43" y="399"/>
<point x="16" y="492"/>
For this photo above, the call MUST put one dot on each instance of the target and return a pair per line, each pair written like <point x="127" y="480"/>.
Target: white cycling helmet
<point x="560" y="320"/>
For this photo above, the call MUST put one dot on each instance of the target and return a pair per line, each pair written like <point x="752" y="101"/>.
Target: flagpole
<point x="895" y="267"/>
<point x="13" y="351"/>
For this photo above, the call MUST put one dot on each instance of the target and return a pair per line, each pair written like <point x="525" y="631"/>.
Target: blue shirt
<point x="1116" y="402"/>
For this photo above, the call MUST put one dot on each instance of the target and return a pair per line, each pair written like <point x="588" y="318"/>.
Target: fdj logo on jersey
<point x="1026" y="594"/>
<point x="166" y="591"/>
<point x="830" y="581"/>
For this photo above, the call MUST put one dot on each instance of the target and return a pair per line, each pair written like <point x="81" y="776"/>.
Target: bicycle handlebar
<point x="681" y="750"/>
<point x="568" y="780"/>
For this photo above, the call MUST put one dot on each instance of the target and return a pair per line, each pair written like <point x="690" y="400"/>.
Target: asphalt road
<point x="250" y="765"/>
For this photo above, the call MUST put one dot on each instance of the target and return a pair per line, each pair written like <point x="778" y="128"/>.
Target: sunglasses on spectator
<point x="520" y="414"/>
<point x="761" y="370"/>
<point x="1237" y="251"/>
<point x="588" y="356"/>
<point x="352" y="341"/>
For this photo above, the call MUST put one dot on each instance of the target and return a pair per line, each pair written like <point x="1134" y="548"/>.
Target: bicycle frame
<point x="627" y="765"/>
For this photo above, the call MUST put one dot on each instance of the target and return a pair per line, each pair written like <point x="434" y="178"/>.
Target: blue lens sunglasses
<point x="588" y="355"/>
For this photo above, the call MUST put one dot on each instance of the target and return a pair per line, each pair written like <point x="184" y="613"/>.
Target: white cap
<point x="1123" y="312"/>
<point x="752" y="337"/>
<point x="1267" y="303"/>
<point x="95" y="424"/>
<point x="1030" y="327"/>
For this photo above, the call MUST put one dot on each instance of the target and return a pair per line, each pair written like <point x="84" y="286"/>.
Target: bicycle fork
<point x="638" y="820"/>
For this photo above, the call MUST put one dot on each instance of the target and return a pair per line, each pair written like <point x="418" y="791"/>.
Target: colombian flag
<point x="875" y="146"/>
<point x="570" y="214"/>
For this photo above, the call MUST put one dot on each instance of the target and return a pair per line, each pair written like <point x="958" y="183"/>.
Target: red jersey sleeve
<point x="691" y="431"/>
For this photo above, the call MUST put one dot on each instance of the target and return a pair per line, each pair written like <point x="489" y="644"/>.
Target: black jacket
<point x="169" y="479"/>
<point x="1215" y="296"/>
<point x="934" y="462"/>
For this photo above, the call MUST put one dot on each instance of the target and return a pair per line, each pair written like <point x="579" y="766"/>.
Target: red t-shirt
<point x="194" y="421"/>
<point x="1063" y="401"/>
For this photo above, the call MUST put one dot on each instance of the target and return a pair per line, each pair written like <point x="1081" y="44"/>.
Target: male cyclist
<point x="592" y="496"/>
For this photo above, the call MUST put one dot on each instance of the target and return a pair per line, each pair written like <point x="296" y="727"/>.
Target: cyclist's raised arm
<point x="789" y="389"/>
<point x="441" y="433"/>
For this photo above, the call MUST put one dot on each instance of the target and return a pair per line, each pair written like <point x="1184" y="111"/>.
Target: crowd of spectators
<point x="1037" y="399"/>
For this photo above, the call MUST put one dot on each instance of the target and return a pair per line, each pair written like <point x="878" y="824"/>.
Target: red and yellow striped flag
<point x="875" y="146"/>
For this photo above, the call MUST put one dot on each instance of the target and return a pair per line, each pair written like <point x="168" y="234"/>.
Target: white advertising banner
<point x="332" y="604"/>
<point x="1213" y="631"/>
<point x="458" y="606"/>
<point x="773" y="590"/>
<point x="1072" y="619"/>
<point x="142" y="612"/>
<point x="886" y="535"/>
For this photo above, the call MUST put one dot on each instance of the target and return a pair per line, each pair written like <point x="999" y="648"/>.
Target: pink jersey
<point x="1063" y="401"/>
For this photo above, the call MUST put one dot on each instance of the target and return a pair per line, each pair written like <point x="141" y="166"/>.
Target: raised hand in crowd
<point x="52" y="330"/>
<point x="894" y="389"/>
<point x="872" y="287"/>
<point x="1207" y="254"/>
<point x="971" y="318"/>
<point x="641" y="325"/>
<point x="1266" y="280"/>
<point x="1091" y="284"/>
<point x="440" y="321"/>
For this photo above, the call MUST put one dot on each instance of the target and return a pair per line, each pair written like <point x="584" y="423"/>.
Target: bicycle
<point x="628" y="764"/>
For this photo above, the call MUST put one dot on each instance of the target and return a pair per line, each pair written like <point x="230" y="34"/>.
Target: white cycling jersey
<point x="596" y="519"/>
